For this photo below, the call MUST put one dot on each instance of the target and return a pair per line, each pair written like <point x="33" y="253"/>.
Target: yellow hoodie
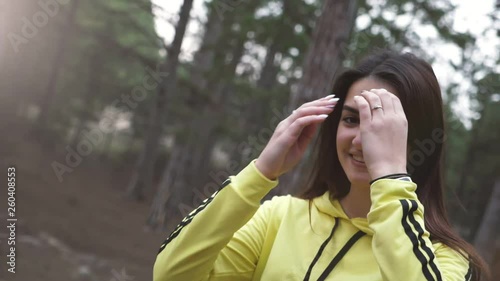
<point x="232" y="237"/>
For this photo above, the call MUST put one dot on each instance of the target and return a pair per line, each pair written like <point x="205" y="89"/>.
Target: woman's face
<point x="349" y="147"/>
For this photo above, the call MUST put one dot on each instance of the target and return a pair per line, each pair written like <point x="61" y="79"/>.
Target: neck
<point x="357" y="202"/>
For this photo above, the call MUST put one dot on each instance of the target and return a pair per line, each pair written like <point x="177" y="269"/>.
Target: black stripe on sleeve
<point x="190" y="217"/>
<point x="425" y="247"/>
<point x="413" y="238"/>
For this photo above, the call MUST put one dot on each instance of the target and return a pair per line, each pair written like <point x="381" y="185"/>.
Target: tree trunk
<point x="209" y="118"/>
<point x="466" y="198"/>
<point x="158" y="214"/>
<point x="488" y="233"/>
<point x="56" y="67"/>
<point x="204" y="57"/>
<point x="323" y="61"/>
<point x="326" y="53"/>
<point x="143" y="174"/>
<point x="92" y="88"/>
<point x="106" y="147"/>
<point x="182" y="177"/>
<point x="470" y="158"/>
<point x="204" y="61"/>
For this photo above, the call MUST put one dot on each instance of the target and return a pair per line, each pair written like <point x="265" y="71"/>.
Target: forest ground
<point x="81" y="229"/>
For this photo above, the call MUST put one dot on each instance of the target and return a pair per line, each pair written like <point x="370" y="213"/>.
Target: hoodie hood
<point x="332" y="207"/>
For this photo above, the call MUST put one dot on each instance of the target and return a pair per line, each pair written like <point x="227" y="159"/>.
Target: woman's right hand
<point x="292" y="136"/>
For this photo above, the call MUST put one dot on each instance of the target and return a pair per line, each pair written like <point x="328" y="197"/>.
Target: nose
<point x="356" y="141"/>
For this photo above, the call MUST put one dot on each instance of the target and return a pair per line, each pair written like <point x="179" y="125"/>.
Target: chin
<point x="359" y="181"/>
<point x="355" y="174"/>
<point x="358" y="177"/>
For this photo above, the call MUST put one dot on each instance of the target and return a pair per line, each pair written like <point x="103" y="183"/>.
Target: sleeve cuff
<point x="385" y="190"/>
<point x="251" y="185"/>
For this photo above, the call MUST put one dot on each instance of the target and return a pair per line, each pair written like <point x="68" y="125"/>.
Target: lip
<point x="356" y="162"/>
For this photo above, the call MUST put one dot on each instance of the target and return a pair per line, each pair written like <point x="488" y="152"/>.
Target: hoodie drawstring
<point x="337" y="258"/>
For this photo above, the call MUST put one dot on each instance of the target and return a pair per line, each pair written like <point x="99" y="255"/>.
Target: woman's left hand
<point x="384" y="132"/>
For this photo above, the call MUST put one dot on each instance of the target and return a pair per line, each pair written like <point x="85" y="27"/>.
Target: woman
<point x="361" y="216"/>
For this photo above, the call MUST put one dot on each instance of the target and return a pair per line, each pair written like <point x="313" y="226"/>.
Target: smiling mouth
<point x="358" y="161"/>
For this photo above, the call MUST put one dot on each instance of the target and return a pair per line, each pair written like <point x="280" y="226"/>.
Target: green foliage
<point x="122" y="38"/>
<point x="114" y="41"/>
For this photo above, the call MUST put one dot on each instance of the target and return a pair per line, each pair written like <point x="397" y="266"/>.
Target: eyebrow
<point x="351" y="109"/>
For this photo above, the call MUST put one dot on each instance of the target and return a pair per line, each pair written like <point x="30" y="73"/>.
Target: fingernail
<point x="330" y="106"/>
<point x="327" y="97"/>
<point x="322" y="116"/>
<point x="333" y="100"/>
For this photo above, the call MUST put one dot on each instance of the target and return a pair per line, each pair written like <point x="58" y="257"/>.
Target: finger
<point x="373" y="102"/>
<point x="312" y="110"/>
<point x="317" y="101"/>
<point x="305" y="111"/>
<point x="385" y="98"/>
<point x="323" y="101"/>
<point x="365" y="113"/>
<point x="327" y="97"/>
<point x="323" y="108"/>
<point x="295" y="130"/>
<point x="307" y="135"/>
<point x="398" y="107"/>
<point x="314" y="107"/>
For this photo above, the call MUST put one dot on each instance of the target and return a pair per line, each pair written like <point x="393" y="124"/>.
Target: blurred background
<point x="120" y="117"/>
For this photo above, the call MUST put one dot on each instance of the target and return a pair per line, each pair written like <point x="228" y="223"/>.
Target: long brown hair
<point x="420" y="95"/>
